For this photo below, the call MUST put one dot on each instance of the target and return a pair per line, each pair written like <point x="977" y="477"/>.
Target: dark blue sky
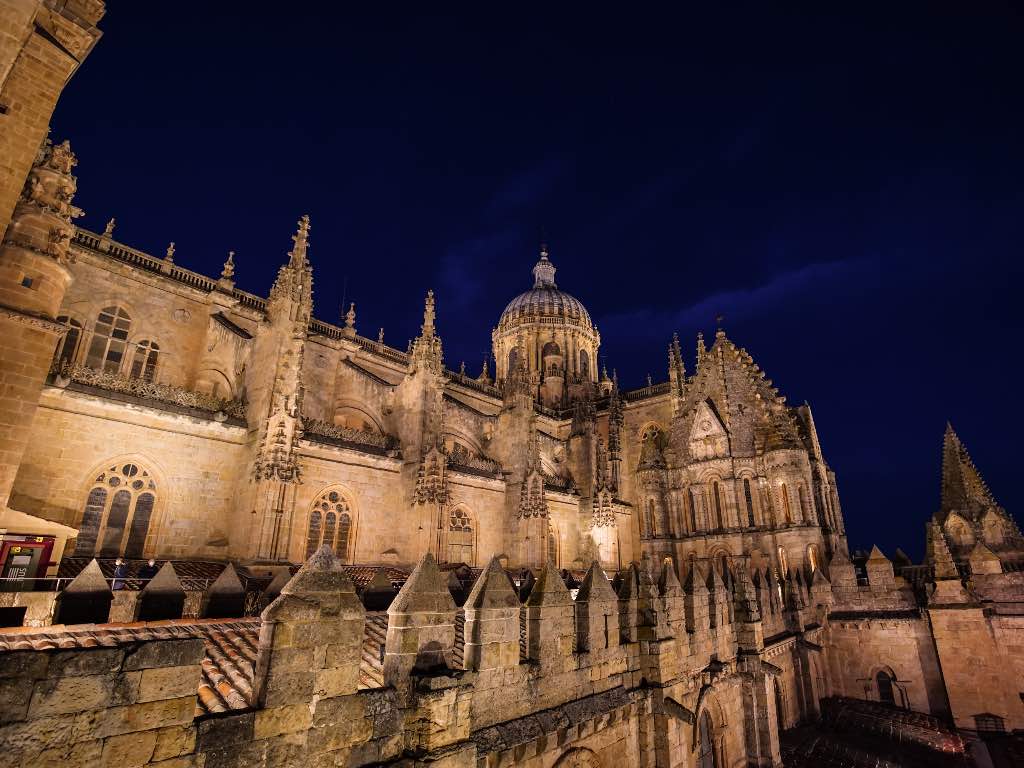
<point x="845" y="190"/>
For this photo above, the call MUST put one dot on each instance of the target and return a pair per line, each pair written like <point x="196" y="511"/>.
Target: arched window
<point x="552" y="545"/>
<point x="513" y="361"/>
<point x="584" y="364"/>
<point x="812" y="557"/>
<point x="649" y="517"/>
<point x="67" y="349"/>
<point x="692" y="509"/>
<point x="144" y="360"/>
<point x="717" y="493"/>
<point x="109" y="340"/>
<point x="785" y="504"/>
<point x="330" y="523"/>
<point x="783" y="563"/>
<point x="117" y="514"/>
<point x="885" y="688"/>
<point x="705" y="744"/>
<point x="460" y="537"/>
<point x="551" y="348"/>
<point x="805" y="510"/>
<point x="780" y="712"/>
<point x="748" y="497"/>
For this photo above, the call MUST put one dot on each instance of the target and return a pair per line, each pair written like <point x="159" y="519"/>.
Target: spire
<point x="426" y="348"/>
<point x="544" y="270"/>
<point x="963" y="488"/>
<point x="485" y="373"/>
<point x="301" y="239"/>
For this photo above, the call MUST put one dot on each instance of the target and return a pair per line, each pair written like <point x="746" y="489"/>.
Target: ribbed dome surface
<point x="544" y="301"/>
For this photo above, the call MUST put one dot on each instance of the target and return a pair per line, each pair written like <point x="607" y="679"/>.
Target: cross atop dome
<point x="544" y="271"/>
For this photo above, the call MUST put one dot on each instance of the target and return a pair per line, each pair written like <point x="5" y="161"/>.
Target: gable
<point x="706" y="423"/>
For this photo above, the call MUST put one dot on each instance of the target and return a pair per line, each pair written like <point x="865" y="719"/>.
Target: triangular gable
<point x="706" y="423"/>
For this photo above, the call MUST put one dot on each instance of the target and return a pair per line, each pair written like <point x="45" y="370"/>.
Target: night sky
<point x="845" y="191"/>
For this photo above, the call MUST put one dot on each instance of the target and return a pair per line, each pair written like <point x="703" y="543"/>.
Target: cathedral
<point x="656" y="577"/>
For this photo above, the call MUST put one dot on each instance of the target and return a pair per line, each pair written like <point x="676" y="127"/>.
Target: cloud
<point x="743" y="303"/>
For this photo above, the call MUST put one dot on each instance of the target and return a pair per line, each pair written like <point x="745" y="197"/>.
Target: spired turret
<point x="550" y="332"/>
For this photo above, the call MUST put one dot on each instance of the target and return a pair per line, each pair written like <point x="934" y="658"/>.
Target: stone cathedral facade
<point x="149" y="410"/>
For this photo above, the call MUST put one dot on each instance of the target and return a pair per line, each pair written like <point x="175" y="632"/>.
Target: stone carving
<point x="148" y="390"/>
<point x="349" y="434"/>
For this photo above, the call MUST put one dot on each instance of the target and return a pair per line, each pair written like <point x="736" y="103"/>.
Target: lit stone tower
<point x="33" y="278"/>
<point x="553" y="331"/>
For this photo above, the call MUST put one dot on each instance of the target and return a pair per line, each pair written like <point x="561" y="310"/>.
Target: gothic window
<point x="552" y="545"/>
<point x="551" y="348"/>
<point x="716" y="492"/>
<point x="750" y="502"/>
<point x="805" y="510"/>
<point x="885" y="688"/>
<point x="785" y="504"/>
<point x="144" y="361"/>
<point x="783" y="563"/>
<point x="118" y="512"/>
<point x="460" y="537"/>
<point x="584" y="364"/>
<point x="68" y="346"/>
<point x="692" y="509"/>
<point x="812" y="557"/>
<point x="705" y="745"/>
<point x="330" y="523"/>
<point x="109" y="340"/>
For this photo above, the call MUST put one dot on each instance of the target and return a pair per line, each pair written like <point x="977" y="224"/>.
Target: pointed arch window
<point x="805" y="510"/>
<point x="692" y="509"/>
<point x="67" y="348"/>
<point x="144" y="360"/>
<point x="118" y="511"/>
<point x="716" y="492"/>
<point x="705" y="743"/>
<point x="330" y="523"/>
<point x="749" y="499"/>
<point x="460" y="537"/>
<point x="109" y="340"/>
<point x="584" y="364"/>
<point x="787" y="510"/>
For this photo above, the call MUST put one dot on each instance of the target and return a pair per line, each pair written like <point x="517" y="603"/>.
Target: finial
<point x="701" y="349"/>
<point x="650" y="381"/>
<point x="615" y="378"/>
<point x="462" y="368"/>
<point x="485" y="372"/>
<point x="380" y="336"/>
<point x="229" y="267"/>
<point x="350" y="316"/>
<point x="428" y="314"/>
<point x="301" y="240"/>
<point x="169" y="256"/>
<point x="109" y="231"/>
<point x="604" y="372"/>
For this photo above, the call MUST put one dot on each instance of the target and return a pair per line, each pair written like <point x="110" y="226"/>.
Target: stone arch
<point x="332" y="519"/>
<point x="653" y="429"/>
<point x="886" y="687"/>
<point x="122" y="508"/>
<point x="708" y="703"/>
<point x="214" y="381"/>
<point x="578" y="757"/>
<point x="69" y="346"/>
<point x="355" y="415"/>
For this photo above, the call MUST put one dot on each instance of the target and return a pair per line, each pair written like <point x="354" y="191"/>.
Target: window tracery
<point x="144" y="361"/>
<point x="67" y="348"/>
<point x="117" y="514"/>
<point x="460" y="537"/>
<point x="330" y="523"/>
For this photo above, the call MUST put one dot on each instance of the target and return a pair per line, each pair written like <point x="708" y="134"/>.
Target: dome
<point x="544" y="300"/>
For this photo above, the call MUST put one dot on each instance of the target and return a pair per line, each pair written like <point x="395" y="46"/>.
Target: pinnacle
<point x="492" y="589"/>
<point x="877" y="555"/>
<point x="89" y="579"/>
<point x="595" y="586"/>
<point x="549" y="589"/>
<point x="166" y="580"/>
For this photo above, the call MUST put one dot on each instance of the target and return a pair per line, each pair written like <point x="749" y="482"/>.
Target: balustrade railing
<point x="147" y="390"/>
<point x="315" y="428"/>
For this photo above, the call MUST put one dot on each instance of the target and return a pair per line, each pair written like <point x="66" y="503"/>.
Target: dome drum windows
<point x="330" y="523"/>
<point x="118" y="512"/>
